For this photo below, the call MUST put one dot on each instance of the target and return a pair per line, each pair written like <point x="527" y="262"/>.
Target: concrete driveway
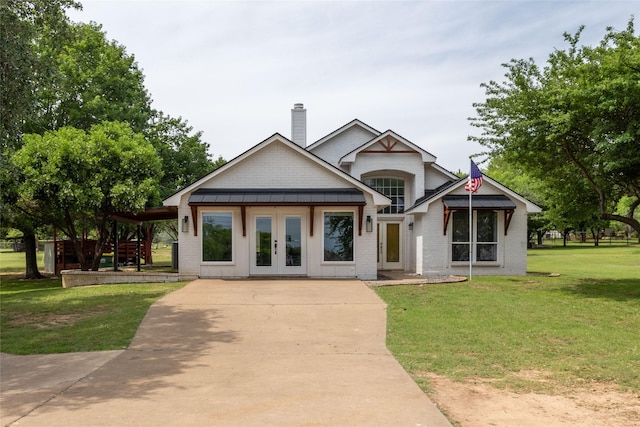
<point x="231" y="353"/>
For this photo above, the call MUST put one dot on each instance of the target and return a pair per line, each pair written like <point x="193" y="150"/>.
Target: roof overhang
<point x="497" y="202"/>
<point x="149" y="214"/>
<point x="478" y="202"/>
<point x="243" y="197"/>
<point x="277" y="197"/>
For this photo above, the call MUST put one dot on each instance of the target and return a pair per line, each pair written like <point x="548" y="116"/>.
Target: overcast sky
<point x="234" y="69"/>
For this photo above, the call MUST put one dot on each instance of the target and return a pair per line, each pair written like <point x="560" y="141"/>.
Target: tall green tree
<point x="94" y="80"/>
<point x="59" y="74"/>
<point x="579" y="114"/>
<point x="71" y="178"/>
<point x="185" y="157"/>
<point x="24" y="24"/>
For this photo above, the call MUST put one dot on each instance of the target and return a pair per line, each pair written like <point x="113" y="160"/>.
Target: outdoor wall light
<point x="185" y="224"/>
<point x="369" y="224"/>
<point x="411" y="226"/>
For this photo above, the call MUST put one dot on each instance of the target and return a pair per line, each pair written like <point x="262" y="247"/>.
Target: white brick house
<point x="350" y="204"/>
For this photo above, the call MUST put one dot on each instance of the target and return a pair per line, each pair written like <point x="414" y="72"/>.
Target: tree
<point x="23" y="25"/>
<point x="58" y="74"/>
<point x="185" y="158"/>
<point x="93" y="80"/>
<point x="568" y="205"/>
<point x="578" y="115"/>
<point x="512" y="176"/>
<point x="74" y="179"/>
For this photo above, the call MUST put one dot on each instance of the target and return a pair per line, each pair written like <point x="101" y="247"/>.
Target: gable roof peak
<point x="388" y="140"/>
<point x="353" y="123"/>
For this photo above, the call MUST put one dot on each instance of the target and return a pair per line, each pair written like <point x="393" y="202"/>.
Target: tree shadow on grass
<point x="170" y="341"/>
<point x="613" y="289"/>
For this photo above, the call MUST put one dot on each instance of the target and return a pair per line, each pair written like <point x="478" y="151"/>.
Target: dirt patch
<point x="479" y="404"/>
<point x="50" y="321"/>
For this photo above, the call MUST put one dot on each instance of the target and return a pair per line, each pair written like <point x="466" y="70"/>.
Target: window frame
<point x="203" y="214"/>
<point x="399" y="210"/>
<point x="474" y="243"/>
<point x="352" y="213"/>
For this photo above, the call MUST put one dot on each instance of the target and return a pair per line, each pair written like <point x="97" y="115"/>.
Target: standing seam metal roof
<point x="268" y="196"/>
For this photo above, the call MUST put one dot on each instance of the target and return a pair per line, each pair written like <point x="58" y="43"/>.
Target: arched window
<point x="393" y="188"/>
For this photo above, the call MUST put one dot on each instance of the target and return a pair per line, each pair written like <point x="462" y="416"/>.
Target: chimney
<point x="299" y="125"/>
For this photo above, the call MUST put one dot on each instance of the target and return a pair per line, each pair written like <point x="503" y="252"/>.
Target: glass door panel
<point x="293" y="239"/>
<point x="263" y="241"/>
<point x="389" y="245"/>
<point x="277" y="243"/>
<point x="393" y="242"/>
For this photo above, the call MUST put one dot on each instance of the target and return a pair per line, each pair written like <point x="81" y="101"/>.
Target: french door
<point x="278" y="243"/>
<point x="389" y="245"/>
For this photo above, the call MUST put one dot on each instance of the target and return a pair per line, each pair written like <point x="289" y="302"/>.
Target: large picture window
<point x="393" y="188"/>
<point x="338" y="236"/>
<point x="217" y="240"/>
<point x="485" y="232"/>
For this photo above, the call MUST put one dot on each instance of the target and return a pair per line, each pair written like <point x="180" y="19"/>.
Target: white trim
<point x="444" y="171"/>
<point x="201" y="214"/>
<point x="353" y="237"/>
<point x="351" y="156"/>
<point x="424" y="206"/>
<point x="378" y="199"/>
<point x="499" y="243"/>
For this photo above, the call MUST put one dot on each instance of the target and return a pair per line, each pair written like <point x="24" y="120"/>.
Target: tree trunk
<point x="30" y="250"/>
<point x="596" y="236"/>
<point x="103" y="238"/>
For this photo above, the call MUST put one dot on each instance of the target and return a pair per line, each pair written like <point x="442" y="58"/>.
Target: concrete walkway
<point x="231" y="353"/>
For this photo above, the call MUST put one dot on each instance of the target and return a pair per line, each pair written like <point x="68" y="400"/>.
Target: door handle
<point x="275" y="242"/>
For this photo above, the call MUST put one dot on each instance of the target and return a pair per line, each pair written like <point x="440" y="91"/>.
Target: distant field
<point x="14" y="262"/>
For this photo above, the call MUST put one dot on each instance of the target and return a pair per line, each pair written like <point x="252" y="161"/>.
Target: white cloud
<point x="235" y="69"/>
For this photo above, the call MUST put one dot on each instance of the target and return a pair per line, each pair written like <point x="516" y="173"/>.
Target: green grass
<point x="14" y="262"/>
<point x="39" y="316"/>
<point x="569" y="330"/>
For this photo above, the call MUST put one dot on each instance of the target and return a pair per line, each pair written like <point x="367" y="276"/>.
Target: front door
<point x="389" y="245"/>
<point x="278" y="243"/>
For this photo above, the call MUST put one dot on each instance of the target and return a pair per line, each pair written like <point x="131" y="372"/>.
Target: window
<point x="460" y="236"/>
<point x="393" y="188"/>
<point x="485" y="236"/>
<point x="338" y="236"/>
<point x="217" y="236"/>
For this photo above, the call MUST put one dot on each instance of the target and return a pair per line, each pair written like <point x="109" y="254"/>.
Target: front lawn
<point x="40" y="316"/>
<point x="579" y="327"/>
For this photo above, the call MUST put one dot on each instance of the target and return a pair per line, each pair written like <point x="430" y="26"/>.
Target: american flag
<point x="475" y="179"/>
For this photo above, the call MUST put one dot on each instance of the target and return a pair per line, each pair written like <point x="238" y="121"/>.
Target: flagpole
<point x="470" y="227"/>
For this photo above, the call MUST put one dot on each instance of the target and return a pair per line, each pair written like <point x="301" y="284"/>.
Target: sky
<point x="234" y="69"/>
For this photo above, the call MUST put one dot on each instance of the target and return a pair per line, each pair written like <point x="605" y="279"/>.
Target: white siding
<point x="332" y="150"/>
<point x="277" y="166"/>
<point x="433" y="178"/>
<point x="512" y="248"/>
<point x="407" y="166"/>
